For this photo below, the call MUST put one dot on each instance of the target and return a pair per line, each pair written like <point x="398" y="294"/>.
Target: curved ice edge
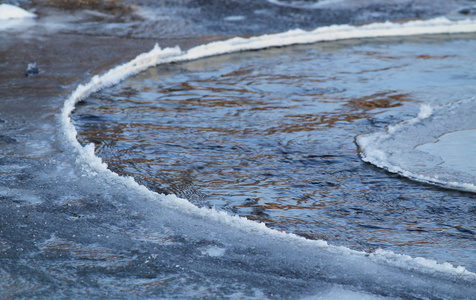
<point x="378" y="157"/>
<point x="93" y="165"/>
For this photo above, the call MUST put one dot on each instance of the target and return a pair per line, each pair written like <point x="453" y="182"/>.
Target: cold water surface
<point x="269" y="135"/>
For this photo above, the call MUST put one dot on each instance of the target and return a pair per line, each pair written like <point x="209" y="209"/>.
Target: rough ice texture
<point x="94" y="166"/>
<point x="9" y="12"/>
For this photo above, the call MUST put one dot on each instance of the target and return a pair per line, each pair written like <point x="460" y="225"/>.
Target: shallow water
<point x="269" y="135"/>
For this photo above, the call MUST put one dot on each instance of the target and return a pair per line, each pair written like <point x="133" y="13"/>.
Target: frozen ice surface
<point x="9" y="12"/>
<point x="434" y="147"/>
<point x="456" y="149"/>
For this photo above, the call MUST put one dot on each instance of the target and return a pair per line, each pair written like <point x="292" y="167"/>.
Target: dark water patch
<point x="465" y="230"/>
<point x="92" y="118"/>
<point x="7" y="139"/>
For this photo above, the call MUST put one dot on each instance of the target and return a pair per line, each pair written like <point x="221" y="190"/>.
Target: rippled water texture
<point x="270" y="135"/>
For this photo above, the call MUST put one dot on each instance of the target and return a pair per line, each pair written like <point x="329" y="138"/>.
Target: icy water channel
<point x="270" y="135"/>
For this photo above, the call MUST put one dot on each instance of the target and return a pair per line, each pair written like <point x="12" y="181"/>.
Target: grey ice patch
<point x="20" y="197"/>
<point x="234" y="18"/>
<point x="214" y="251"/>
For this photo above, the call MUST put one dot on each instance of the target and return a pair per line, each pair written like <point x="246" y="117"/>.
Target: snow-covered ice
<point x="9" y="12"/>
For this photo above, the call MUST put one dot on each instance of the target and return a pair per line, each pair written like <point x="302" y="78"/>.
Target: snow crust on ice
<point x="10" y="12"/>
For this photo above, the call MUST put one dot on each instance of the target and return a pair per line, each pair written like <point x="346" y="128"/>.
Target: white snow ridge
<point x="10" y="12"/>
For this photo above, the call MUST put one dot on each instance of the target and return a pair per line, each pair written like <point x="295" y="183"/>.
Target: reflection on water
<point x="270" y="135"/>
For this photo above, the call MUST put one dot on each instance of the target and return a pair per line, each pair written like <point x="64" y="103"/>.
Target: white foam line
<point x="93" y="165"/>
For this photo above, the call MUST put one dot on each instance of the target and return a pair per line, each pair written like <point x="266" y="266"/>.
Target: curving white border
<point x="93" y="165"/>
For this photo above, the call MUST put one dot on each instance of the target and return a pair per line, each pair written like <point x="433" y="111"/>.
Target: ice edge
<point x="93" y="165"/>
